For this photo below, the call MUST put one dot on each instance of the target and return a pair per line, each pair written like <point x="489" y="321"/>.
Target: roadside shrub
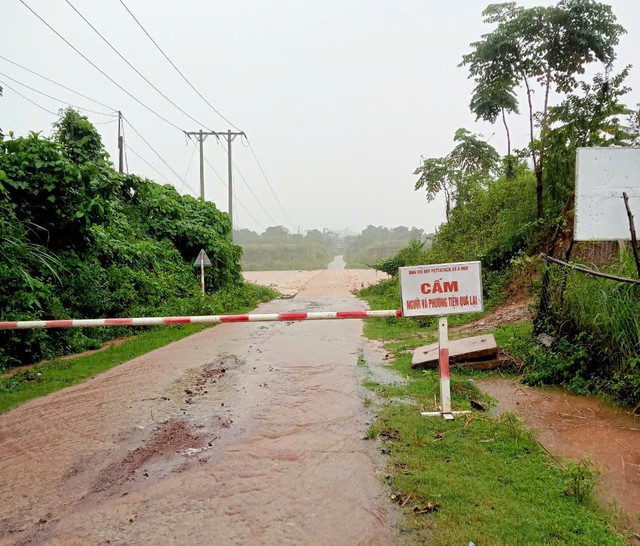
<point x="596" y="323"/>
<point x="79" y="240"/>
<point x="580" y="480"/>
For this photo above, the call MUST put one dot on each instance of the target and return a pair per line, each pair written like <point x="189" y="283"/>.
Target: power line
<point x="264" y="174"/>
<point x="99" y="69"/>
<point x="252" y="192"/>
<point x="189" y="165"/>
<point x="55" y="98"/>
<point x="225" y="185"/>
<point x="176" y="68"/>
<point x="159" y="156"/>
<point x="27" y="98"/>
<point x="130" y="65"/>
<point x="210" y="105"/>
<point x="254" y="195"/>
<point x="57" y="83"/>
<point x="147" y="163"/>
<point x="124" y="141"/>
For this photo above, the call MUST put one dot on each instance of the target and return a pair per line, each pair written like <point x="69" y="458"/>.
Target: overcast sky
<point x="339" y="98"/>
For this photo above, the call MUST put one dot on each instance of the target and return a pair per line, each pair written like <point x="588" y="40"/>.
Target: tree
<point x="470" y="162"/>
<point x="491" y="99"/>
<point x="80" y="139"/>
<point x="544" y="45"/>
<point x="593" y="118"/>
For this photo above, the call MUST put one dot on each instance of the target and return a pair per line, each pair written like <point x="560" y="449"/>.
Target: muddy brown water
<point x="581" y="427"/>
<point x="240" y="434"/>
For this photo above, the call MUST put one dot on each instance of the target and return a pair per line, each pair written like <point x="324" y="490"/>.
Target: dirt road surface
<point x="581" y="427"/>
<point x="241" y="434"/>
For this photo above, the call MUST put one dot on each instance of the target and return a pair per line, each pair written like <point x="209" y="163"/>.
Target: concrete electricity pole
<point x="201" y="136"/>
<point x="120" y="144"/>
<point x="230" y="136"/>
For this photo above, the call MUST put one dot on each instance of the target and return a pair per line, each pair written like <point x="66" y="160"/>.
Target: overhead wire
<point x="264" y="174"/>
<point x="237" y="200"/>
<point x="176" y="68"/>
<point x="57" y="83"/>
<point x="250" y="189"/>
<point x="111" y="114"/>
<point x="158" y="155"/>
<point x="193" y="153"/>
<point x="266" y="178"/>
<point x="128" y="147"/>
<point x="27" y="98"/>
<point x="131" y="65"/>
<point x="160" y="116"/>
<point x="124" y="141"/>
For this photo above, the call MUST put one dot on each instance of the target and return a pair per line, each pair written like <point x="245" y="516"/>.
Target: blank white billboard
<point x="602" y="174"/>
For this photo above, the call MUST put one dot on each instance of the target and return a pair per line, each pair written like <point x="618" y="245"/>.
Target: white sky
<point x="339" y="98"/>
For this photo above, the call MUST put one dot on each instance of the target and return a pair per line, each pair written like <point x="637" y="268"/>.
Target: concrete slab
<point x="469" y="348"/>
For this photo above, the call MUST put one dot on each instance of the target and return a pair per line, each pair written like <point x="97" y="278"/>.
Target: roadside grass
<point x="60" y="373"/>
<point x="477" y="479"/>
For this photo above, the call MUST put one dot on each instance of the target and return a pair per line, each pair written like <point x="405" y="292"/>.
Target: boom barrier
<point x="205" y="319"/>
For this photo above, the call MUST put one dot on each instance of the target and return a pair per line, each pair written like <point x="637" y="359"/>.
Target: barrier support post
<point x="443" y="365"/>
<point x="445" y="378"/>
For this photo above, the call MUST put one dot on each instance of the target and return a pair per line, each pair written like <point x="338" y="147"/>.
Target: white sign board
<point x="602" y="174"/>
<point x="441" y="289"/>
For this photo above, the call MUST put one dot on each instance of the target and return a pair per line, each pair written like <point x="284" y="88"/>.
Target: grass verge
<point x="477" y="479"/>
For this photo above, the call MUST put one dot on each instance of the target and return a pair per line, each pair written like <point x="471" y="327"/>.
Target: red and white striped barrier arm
<point x="207" y="319"/>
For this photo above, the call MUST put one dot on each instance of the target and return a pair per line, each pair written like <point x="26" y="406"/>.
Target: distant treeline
<point x="379" y="243"/>
<point x="278" y="249"/>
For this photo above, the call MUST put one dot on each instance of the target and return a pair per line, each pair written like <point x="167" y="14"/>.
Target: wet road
<point x="241" y="434"/>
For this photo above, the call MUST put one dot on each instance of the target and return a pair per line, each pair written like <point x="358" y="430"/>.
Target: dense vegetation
<point x="78" y="239"/>
<point x="376" y="243"/>
<point x="505" y="210"/>
<point x="276" y="249"/>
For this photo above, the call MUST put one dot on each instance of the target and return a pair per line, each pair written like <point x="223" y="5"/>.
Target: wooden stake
<point x="632" y="228"/>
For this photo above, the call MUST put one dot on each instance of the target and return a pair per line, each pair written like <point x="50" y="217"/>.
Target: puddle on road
<point x="378" y="368"/>
<point x="581" y="427"/>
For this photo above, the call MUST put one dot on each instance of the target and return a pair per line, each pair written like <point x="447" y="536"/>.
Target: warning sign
<point x="441" y="289"/>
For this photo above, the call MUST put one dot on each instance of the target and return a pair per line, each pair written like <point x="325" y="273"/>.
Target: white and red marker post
<point x="203" y="261"/>
<point x="441" y="290"/>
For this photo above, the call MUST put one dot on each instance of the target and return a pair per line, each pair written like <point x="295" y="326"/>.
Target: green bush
<point x="79" y="240"/>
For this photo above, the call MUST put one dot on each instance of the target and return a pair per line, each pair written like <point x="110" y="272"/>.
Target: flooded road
<point x="581" y="427"/>
<point x="241" y="434"/>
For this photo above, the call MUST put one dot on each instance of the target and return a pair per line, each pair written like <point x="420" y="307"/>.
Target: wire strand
<point x="131" y="66"/>
<point x="27" y="98"/>
<point x="56" y="98"/>
<point x="58" y="84"/>
<point x="227" y="187"/>
<point x="159" y="156"/>
<point x="147" y="163"/>
<point x="99" y="69"/>
<point x="250" y="188"/>
<point x="176" y="68"/>
<point x="264" y="174"/>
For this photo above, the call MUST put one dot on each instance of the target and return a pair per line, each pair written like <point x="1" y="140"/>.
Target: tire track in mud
<point x="268" y="451"/>
<point x="171" y="447"/>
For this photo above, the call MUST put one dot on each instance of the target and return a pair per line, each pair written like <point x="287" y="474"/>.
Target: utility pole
<point x="201" y="136"/>
<point x="230" y="136"/>
<point x="120" y="144"/>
